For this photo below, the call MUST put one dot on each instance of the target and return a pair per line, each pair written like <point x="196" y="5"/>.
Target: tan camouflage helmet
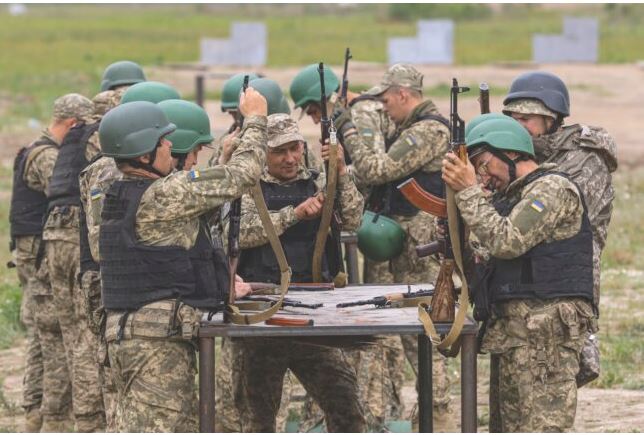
<point x="73" y="106"/>
<point x="282" y="129"/>
<point x="402" y="75"/>
<point x="107" y="100"/>
<point x="528" y="106"/>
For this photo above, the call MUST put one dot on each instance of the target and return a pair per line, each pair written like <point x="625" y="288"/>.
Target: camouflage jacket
<point x="588" y="155"/>
<point x="558" y="215"/>
<point x="420" y="145"/>
<point x="40" y="165"/>
<point x="95" y="181"/>
<point x="169" y="208"/>
<point x="251" y="232"/>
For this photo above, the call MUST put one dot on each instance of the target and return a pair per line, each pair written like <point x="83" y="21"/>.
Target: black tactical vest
<point x="64" y="188"/>
<point x="259" y="263"/>
<point x="134" y="274"/>
<point x="389" y="200"/>
<point x="563" y="268"/>
<point x="28" y="206"/>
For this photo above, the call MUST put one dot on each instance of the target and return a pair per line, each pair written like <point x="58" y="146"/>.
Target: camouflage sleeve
<point x="372" y="125"/>
<point x="549" y="209"/>
<point x="38" y="170"/>
<point x="93" y="147"/>
<point x="251" y="230"/>
<point x="351" y="203"/>
<point x="422" y="144"/>
<point x="188" y="194"/>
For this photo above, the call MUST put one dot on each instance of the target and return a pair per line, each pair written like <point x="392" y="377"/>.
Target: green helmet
<point x="193" y="125"/>
<point x="380" y="238"/>
<point x="273" y="94"/>
<point x="133" y="129"/>
<point x="284" y="107"/>
<point x="153" y="92"/>
<point x="305" y="87"/>
<point x="232" y="88"/>
<point x="501" y="133"/>
<point x="477" y="120"/>
<point x="120" y="73"/>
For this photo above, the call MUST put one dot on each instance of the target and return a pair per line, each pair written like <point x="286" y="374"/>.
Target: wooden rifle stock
<point x="422" y="199"/>
<point x="286" y="321"/>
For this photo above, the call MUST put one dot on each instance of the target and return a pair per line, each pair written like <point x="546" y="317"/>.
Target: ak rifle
<point x="345" y="78"/>
<point x="393" y="300"/>
<point x="270" y="288"/>
<point x="484" y="98"/>
<point x="286" y="302"/>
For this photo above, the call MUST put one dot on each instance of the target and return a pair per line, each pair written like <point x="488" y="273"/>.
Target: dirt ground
<point x="606" y="95"/>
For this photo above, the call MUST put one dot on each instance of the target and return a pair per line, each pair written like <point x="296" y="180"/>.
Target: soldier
<point x="537" y="294"/>
<point x="47" y="390"/>
<point x="292" y="194"/>
<point x="377" y="389"/>
<point x="95" y="181"/>
<point x="415" y="150"/>
<point x="151" y="241"/>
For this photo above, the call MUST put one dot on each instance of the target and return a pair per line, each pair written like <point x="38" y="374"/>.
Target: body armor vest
<point x="64" y="188"/>
<point x="28" y="206"/>
<point x="387" y="199"/>
<point x="562" y="268"/>
<point x="260" y="264"/>
<point x="134" y="274"/>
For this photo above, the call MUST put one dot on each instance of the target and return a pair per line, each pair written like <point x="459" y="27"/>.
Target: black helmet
<point x="543" y="86"/>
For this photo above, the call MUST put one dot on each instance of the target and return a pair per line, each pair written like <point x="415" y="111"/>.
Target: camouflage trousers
<point x="26" y="251"/>
<point x="92" y="307"/>
<point x="324" y="372"/>
<point x="155" y="380"/>
<point x="56" y="406"/>
<point x="80" y="343"/>
<point x="538" y="345"/>
<point x="228" y="412"/>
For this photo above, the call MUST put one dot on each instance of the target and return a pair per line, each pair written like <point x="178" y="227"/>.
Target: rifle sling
<point x="450" y="339"/>
<point x="327" y="211"/>
<point x="233" y="311"/>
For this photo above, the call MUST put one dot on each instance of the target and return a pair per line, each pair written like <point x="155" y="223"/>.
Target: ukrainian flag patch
<point x="537" y="205"/>
<point x="95" y="194"/>
<point x="194" y="175"/>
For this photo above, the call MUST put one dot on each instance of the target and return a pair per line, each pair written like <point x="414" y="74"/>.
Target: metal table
<point x="332" y="321"/>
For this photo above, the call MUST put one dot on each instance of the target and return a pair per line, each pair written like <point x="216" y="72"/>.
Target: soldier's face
<point x="163" y="160"/>
<point x="535" y="124"/>
<point x="283" y="161"/>
<point x="392" y="100"/>
<point x="313" y="110"/>
<point x="491" y="171"/>
<point x="191" y="158"/>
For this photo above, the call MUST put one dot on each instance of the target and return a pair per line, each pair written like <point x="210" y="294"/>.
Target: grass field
<point x="57" y="49"/>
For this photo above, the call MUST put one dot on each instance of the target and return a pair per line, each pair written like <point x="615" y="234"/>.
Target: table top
<point x="331" y="321"/>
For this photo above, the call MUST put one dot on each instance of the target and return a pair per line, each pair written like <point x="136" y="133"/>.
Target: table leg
<point x="468" y="383"/>
<point x="425" y="392"/>
<point x="207" y="384"/>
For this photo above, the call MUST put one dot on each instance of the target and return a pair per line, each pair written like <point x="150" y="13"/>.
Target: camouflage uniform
<point x="154" y="366"/>
<point x="420" y="145"/>
<point x="324" y="372"/>
<point x="537" y="341"/>
<point x="35" y="174"/>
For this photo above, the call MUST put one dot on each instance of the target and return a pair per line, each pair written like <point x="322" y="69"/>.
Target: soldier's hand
<point x="458" y="174"/>
<point x="310" y="208"/>
<point x="252" y="103"/>
<point x="228" y="146"/>
<point x="326" y="152"/>
<point x="241" y="288"/>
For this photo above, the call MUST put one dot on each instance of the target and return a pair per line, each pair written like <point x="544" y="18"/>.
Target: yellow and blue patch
<point x="95" y="194"/>
<point x="194" y="175"/>
<point x="537" y="205"/>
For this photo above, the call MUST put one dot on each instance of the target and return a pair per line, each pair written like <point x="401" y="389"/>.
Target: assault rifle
<point x="394" y="300"/>
<point x="234" y="218"/>
<point x="270" y="288"/>
<point x="286" y="302"/>
<point x="345" y="78"/>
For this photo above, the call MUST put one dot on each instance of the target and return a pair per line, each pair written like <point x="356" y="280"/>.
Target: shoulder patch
<point x="96" y="194"/>
<point x="411" y="140"/>
<point x="537" y="206"/>
<point x="194" y="175"/>
<point x="366" y="132"/>
<point x="206" y="174"/>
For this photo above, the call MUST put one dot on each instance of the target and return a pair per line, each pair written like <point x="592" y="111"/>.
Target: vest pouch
<point x="589" y="362"/>
<point x="157" y="320"/>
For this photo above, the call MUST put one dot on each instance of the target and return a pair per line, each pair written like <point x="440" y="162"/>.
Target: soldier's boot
<point x="90" y="423"/>
<point x="33" y="419"/>
<point x="57" y="424"/>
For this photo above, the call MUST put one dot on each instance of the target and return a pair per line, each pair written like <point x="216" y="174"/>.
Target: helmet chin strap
<point x="148" y="166"/>
<point x="512" y="167"/>
<point x="555" y="125"/>
<point x="181" y="160"/>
